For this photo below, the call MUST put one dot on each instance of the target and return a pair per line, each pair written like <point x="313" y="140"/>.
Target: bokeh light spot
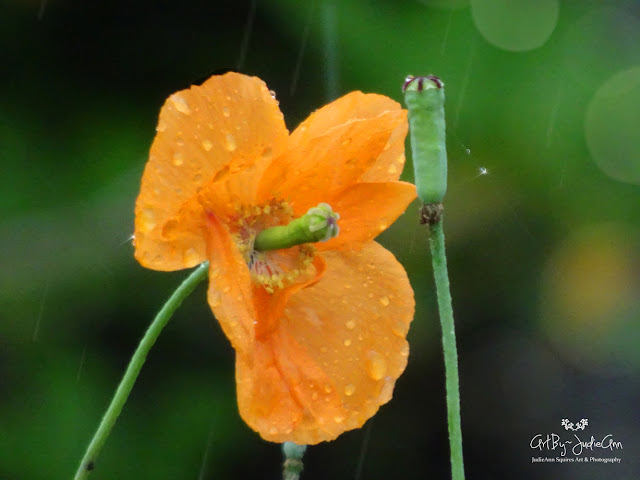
<point x="515" y="26"/>
<point x="589" y="302"/>
<point x="611" y="126"/>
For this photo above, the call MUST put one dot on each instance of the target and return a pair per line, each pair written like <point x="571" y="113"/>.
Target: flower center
<point x="288" y="256"/>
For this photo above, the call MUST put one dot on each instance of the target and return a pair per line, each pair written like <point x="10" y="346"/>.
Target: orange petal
<point x="230" y="291"/>
<point x="319" y="169"/>
<point x="358" y="105"/>
<point x="337" y="353"/>
<point x="229" y="121"/>
<point x="352" y="106"/>
<point x="366" y="210"/>
<point x="390" y="163"/>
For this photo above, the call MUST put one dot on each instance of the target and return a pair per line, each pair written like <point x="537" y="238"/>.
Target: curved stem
<point x="445" y="308"/>
<point x="126" y="384"/>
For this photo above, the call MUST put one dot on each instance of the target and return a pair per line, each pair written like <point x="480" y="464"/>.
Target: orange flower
<point x="319" y="330"/>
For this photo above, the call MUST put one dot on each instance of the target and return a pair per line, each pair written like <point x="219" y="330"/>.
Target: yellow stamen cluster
<point x="251" y="219"/>
<point x="274" y="269"/>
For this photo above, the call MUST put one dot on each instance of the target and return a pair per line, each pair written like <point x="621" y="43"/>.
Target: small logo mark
<point x="578" y="426"/>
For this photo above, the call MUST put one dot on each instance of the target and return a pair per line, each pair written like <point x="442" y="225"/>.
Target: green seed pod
<point x="319" y="224"/>
<point x="424" y="97"/>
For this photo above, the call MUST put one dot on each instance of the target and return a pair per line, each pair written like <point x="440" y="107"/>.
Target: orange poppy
<point x="319" y="330"/>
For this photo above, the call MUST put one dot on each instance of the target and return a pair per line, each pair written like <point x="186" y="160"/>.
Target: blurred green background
<point x="542" y="223"/>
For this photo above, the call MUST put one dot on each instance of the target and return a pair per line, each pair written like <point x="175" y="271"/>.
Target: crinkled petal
<point x="352" y="106"/>
<point x="366" y="210"/>
<point x="228" y="123"/>
<point x="231" y="290"/>
<point x="390" y="163"/>
<point x="358" y="106"/>
<point x="317" y="170"/>
<point x="339" y="348"/>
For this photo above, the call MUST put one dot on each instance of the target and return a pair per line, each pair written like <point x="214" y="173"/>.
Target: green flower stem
<point x="126" y="384"/>
<point x="445" y="308"/>
<point x="292" y="466"/>
<point x="424" y="97"/>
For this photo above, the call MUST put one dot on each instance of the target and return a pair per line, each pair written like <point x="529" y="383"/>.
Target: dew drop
<point x="207" y="145"/>
<point x="190" y="256"/>
<point x="404" y="350"/>
<point x="400" y="328"/>
<point x="351" y="324"/>
<point x="314" y="396"/>
<point x="214" y="299"/>
<point x="387" y="390"/>
<point x="384" y="301"/>
<point x="180" y="104"/>
<point x="161" y="127"/>
<point x="392" y="169"/>
<point x="178" y="158"/>
<point x="327" y="388"/>
<point x="324" y="349"/>
<point x="226" y="289"/>
<point x="230" y="142"/>
<point x="226" y="112"/>
<point x="267" y="154"/>
<point x="349" y="389"/>
<point x="273" y="430"/>
<point x="347" y="342"/>
<point x="148" y="219"/>
<point x="376" y="365"/>
<point x="338" y="419"/>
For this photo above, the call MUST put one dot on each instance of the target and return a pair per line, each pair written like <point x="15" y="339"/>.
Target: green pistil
<point x="319" y="224"/>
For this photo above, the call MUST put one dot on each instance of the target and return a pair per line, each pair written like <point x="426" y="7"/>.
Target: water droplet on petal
<point x="190" y="257"/>
<point x="314" y="396"/>
<point x="226" y="289"/>
<point x="327" y="388"/>
<point x="161" y="127"/>
<point x="207" y="145"/>
<point x="347" y="342"/>
<point x="148" y="219"/>
<point x="392" y="169"/>
<point x="400" y="328"/>
<point x="273" y="430"/>
<point x="386" y="392"/>
<point x="230" y="142"/>
<point x="225" y="112"/>
<point x="324" y="349"/>
<point x="338" y="419"/>
<point x="384" y="301"/>
<point x="180" y="103"/>
<point x="404" y="350"/>
<point x="214" y="299"/>
<point x="349" y="389"/>
<point x="178" y="158"/>
<point x="351" y="324"/>
<point x="376" y="365"/>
